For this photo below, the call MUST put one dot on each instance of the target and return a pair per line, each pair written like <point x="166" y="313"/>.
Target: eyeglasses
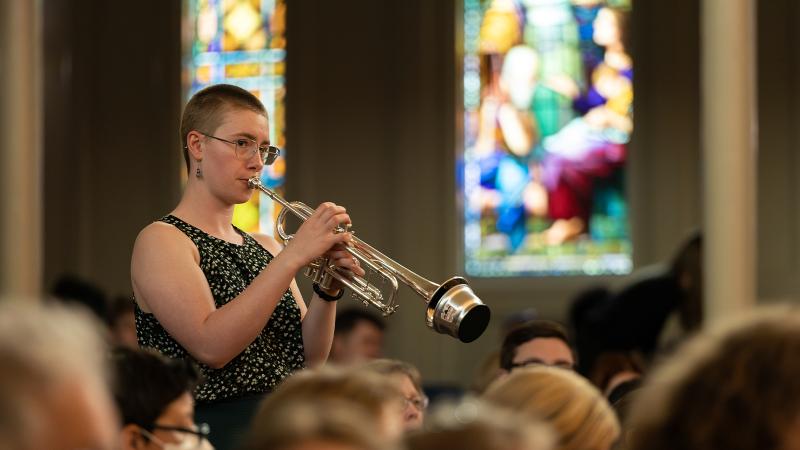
<point x="421" y="403"/>
<point x="245" y="148"/>
<point x="195" y="436"/>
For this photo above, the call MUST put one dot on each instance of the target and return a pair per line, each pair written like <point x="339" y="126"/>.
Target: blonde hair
<point x="368" y="393"/>
<point x="304" y="421"/>
<point x="732" y="387"/>
<point x="476" y="425"/>
<point x="577" y="410"/>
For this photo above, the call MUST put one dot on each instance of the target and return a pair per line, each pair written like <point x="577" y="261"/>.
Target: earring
<point x="199" y="172"/>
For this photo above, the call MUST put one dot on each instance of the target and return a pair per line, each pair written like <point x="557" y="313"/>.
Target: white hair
<point x="42" y="349"/>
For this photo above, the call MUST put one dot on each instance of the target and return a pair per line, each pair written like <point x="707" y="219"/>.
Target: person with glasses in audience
<point x="209" y="292"/>
<point x="409" y="381"/>
<point x="154" y="398"/>
<point x="537" y="342"/>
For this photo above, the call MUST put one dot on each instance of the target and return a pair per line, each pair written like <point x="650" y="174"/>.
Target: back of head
<point x="476" y="425"/>
<point x="376" y="396"/>
<point x="732" y="387"/>
<point x="687" y="269"/>
<point x="307" y="422"/>
<point x="76" y="290"/>
<point x="577" y="411"/>
<point x="206" y="109"/>
<point x="610" y="365"/>
<point x="526" y="332"/>
<point x="145" y="383"/>
<point x="52" y="378"/>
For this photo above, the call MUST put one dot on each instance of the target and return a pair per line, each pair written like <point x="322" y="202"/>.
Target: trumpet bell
<point x="455" y="310"/>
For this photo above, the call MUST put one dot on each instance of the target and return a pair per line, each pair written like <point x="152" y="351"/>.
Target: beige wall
<point x="372" y="124"/>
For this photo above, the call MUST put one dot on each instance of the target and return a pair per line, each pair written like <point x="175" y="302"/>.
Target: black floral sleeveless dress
<point x="270" y="358"/>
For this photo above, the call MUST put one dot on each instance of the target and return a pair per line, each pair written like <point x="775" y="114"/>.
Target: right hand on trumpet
<point x="321" y="235"/>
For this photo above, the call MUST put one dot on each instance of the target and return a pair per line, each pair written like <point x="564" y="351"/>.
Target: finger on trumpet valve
<point x="343" y="228"/>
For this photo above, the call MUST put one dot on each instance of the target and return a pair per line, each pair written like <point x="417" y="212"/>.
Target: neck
<point x="200" y="208"/>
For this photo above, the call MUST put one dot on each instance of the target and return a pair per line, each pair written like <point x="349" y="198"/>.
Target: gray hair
<point x="42" y="349"/>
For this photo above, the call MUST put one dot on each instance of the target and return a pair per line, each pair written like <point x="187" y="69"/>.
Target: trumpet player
<point x="209" y="292"/>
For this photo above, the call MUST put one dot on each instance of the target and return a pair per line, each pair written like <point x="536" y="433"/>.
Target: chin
<point x="239" y="199"/>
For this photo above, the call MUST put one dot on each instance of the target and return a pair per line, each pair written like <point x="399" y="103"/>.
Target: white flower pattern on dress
<point x="275" y="353"/>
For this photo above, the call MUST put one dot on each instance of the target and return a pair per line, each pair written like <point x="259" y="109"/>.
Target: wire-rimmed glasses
<point x="245" y="148"/>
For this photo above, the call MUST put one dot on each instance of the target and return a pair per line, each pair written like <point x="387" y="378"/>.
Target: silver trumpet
<point x="452" y="307"/>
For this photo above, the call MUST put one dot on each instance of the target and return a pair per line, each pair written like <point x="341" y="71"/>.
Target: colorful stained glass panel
<point x="548" y="115"/>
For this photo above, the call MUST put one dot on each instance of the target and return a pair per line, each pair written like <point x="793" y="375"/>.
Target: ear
<point x="193" y="143"/>
<point x="131" y="438"/>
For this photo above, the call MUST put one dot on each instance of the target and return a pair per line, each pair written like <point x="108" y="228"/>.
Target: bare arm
<point x="168" y="282"/>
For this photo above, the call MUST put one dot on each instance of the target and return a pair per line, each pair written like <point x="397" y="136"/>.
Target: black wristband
<point x="325" y="296"/>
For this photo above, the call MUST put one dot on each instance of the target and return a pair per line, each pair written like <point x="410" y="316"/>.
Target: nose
<point x="411" y="413"/>
<point x="255" y="162"/>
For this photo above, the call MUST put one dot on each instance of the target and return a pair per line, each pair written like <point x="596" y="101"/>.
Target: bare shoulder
<point x="160" y="244"/>
<point x="269" y="243"/>
<point x="162" y="256"/>
<point x="161" y="236"/>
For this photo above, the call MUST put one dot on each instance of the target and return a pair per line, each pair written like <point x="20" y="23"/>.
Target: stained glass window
<point x="243" y="42"/>
<point x="548" y="115"/>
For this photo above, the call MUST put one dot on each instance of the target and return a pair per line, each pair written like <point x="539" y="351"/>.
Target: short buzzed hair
<point x="206" y="108"/>
<point x="528" y="331"/>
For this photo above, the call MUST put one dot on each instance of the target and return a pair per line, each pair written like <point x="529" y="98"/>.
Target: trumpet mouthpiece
<point x="253" y="183"/>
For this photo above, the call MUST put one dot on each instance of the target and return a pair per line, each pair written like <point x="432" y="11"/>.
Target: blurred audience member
<point x="73" y="289"/>
<point x="475" y="425"/>
<point x="734" y="387"/>
<point x="358" y="337"/>
<point x="614" y="368"/>
<point x="578" y="412"/>
<point x="538" y="342"/>
<point x="122" y="322"/>
<point x="154" y="396"/>
<point x="490" y="370"/>
<point x="306" y="424"/>
<point x="53" y="387"/>
<point x="375" y="395"/>
<point x="635" y="318"/>
<point x="409" y="381"/>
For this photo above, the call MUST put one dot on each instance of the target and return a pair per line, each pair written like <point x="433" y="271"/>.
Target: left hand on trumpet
<point x="340" y="257"/>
